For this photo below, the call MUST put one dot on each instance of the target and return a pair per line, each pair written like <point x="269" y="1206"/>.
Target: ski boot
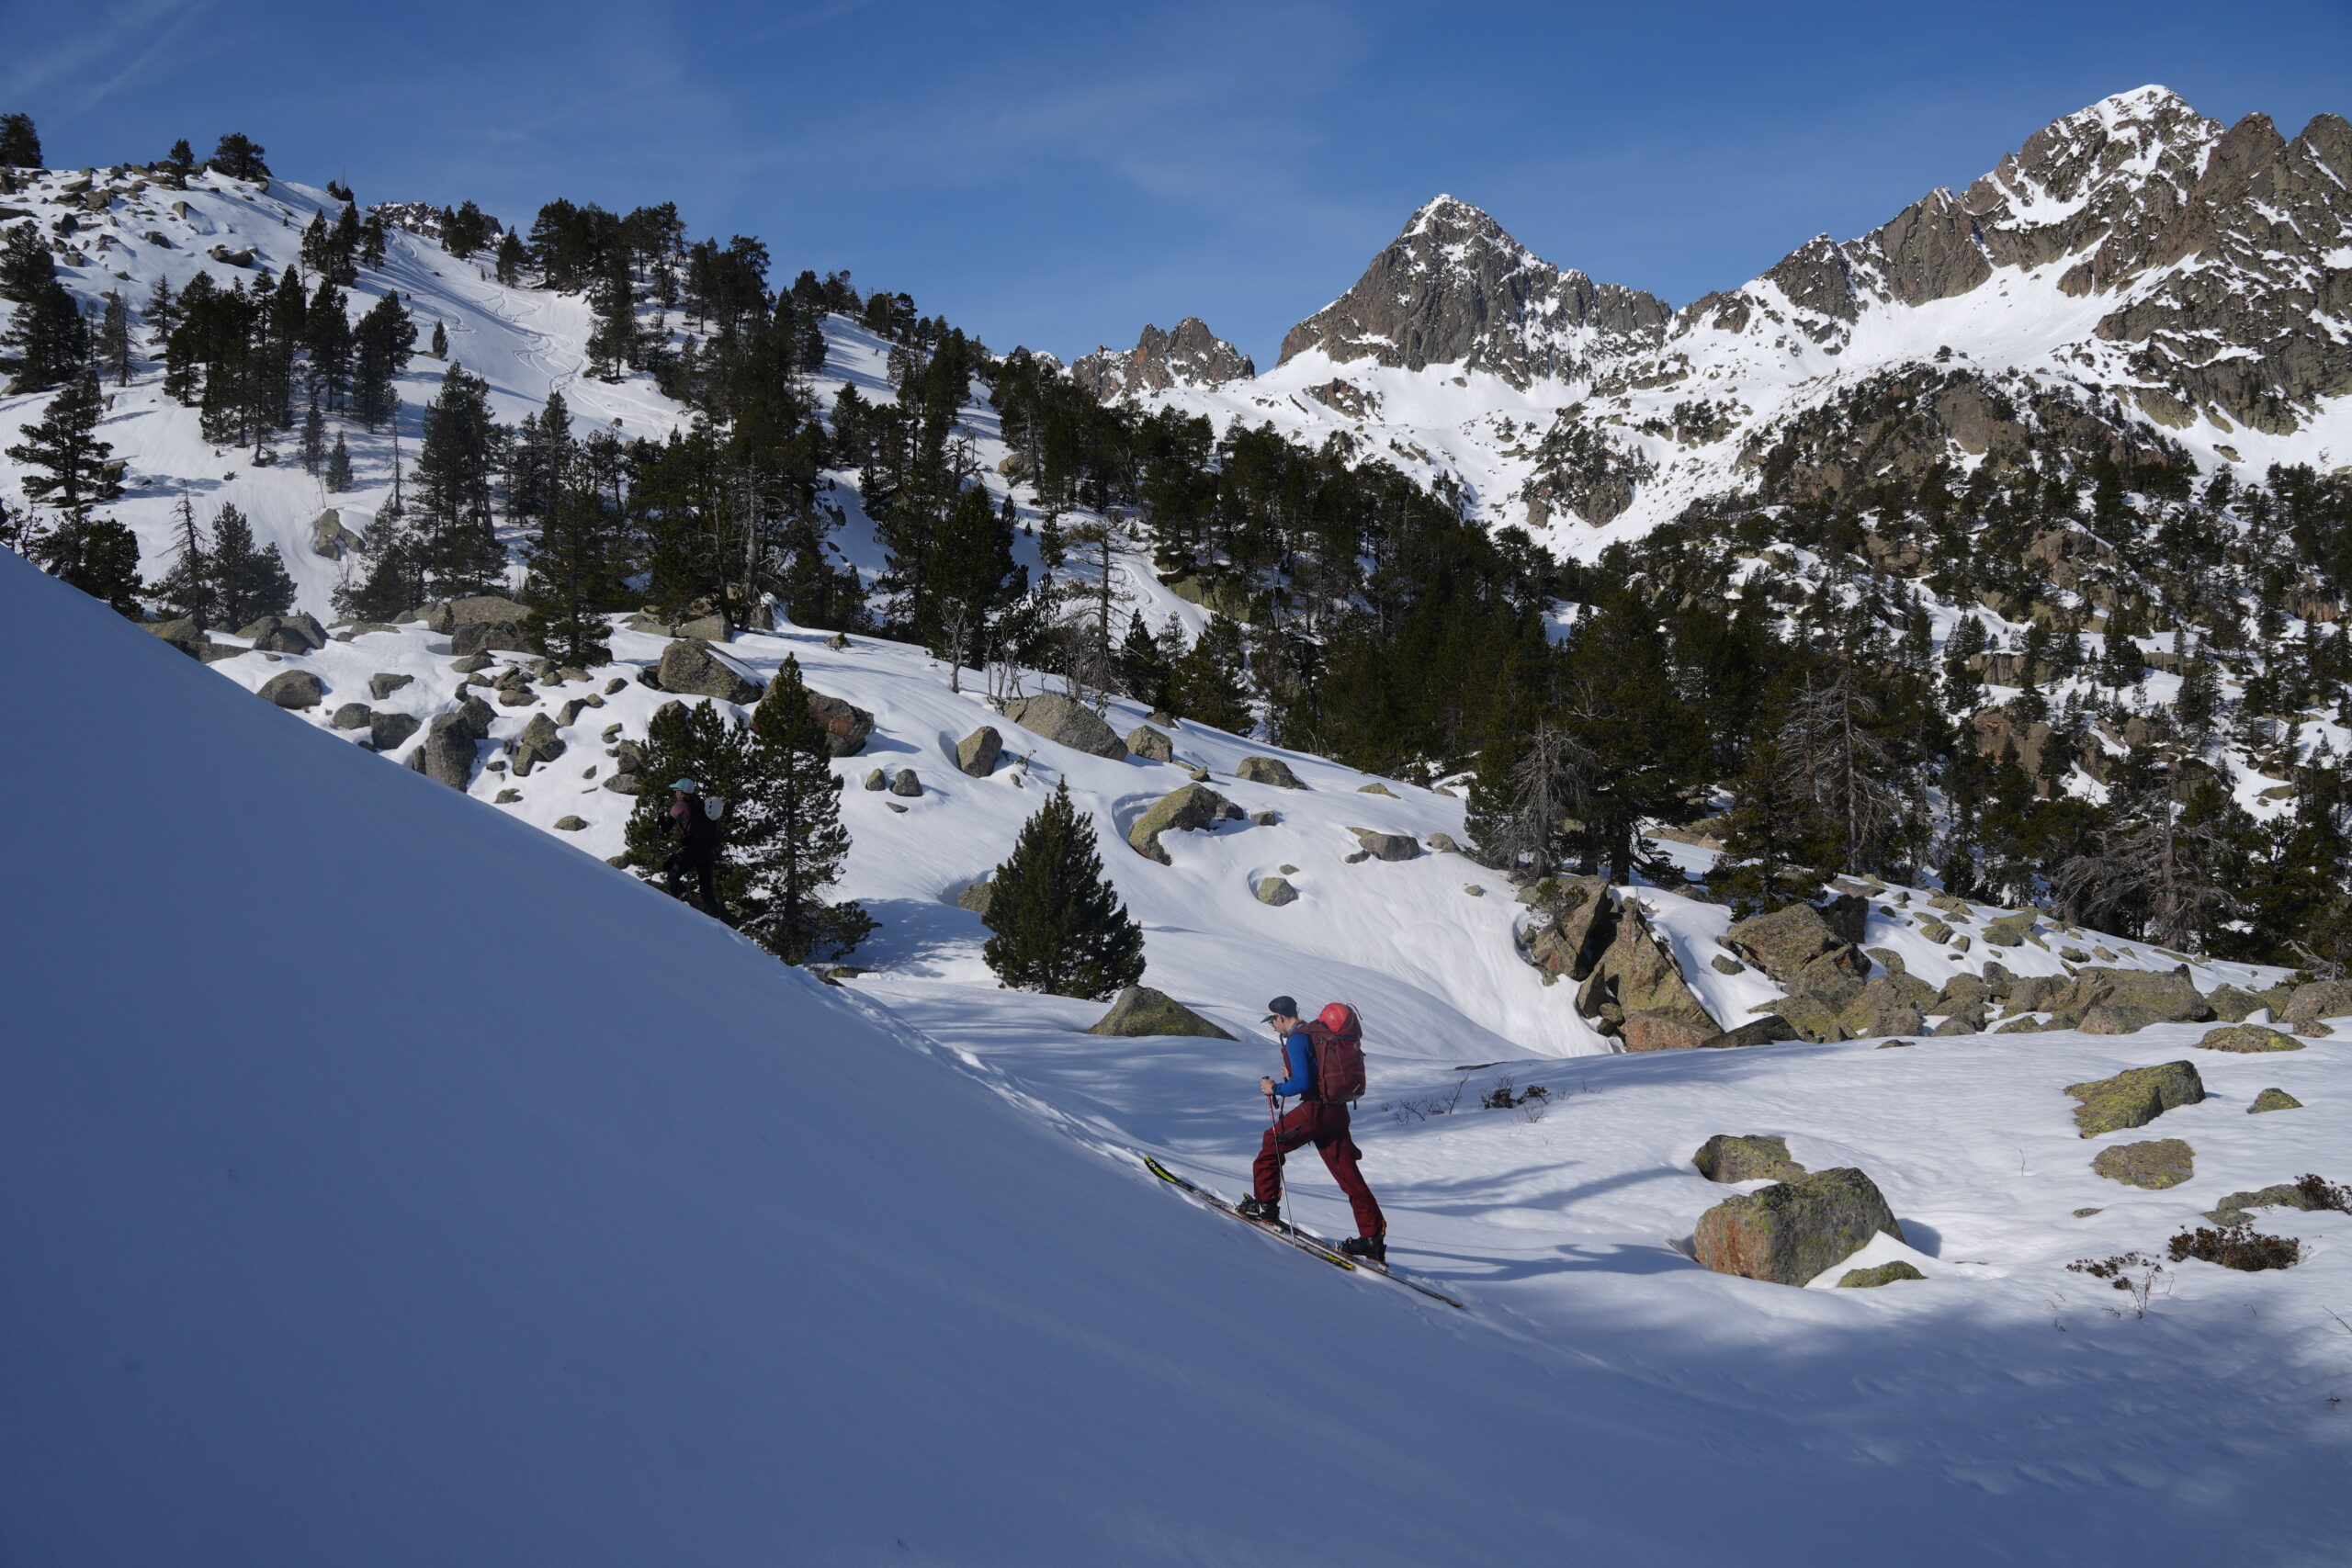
<point x="1371" y="1248"/>
<point x="1258" y="1209"/>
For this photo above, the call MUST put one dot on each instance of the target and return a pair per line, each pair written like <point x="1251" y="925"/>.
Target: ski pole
<point x="1274" y="1123"/>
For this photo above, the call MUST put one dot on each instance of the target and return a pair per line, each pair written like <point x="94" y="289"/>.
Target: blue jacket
<point x="1298" y="1056"/>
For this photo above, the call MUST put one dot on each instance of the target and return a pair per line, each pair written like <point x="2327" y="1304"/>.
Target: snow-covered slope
<point x="526" y="342"/>
<point x="422" y="1189"/>
<point x="2133" y="255"/>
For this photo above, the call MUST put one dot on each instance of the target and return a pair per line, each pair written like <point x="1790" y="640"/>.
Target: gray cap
<point x="1281" y="1007"/>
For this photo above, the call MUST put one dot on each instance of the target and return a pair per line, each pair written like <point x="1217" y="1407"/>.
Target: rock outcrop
<point x="1149" y="744"/>
<point x="1453" y="288"/>
<point x="691" y="667"/>
<point x="1267" y="770"/>
<point x="1637" y="992"/>
<point x="2156" y="1164"/>
<point x="1065" y="721"/>
<point x="2134" y="1097"/>
<point x="1189" y="355"/>
<point x="2246" y="1038"/>
<point x="1140" y="1011"/>
<point x="294" y="689"/>
<point x="846" y="726"/>
<point x="1797" y="1230"/>
<point x="1751" y="1158"/>
<point x="1194" y="807"/>
<point x="976" y="754"/>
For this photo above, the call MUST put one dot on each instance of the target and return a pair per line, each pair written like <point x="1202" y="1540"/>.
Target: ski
<point x="1305" y="1241"/>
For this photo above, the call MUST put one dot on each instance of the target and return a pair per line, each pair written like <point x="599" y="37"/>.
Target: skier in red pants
<point x="1323" y="1122"/>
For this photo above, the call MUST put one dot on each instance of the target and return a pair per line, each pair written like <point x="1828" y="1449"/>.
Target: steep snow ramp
<point x="385" y="1182"/>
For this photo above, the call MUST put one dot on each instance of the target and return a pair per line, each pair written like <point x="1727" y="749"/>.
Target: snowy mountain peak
<point x="1454" y="288"/>
<point x="1188" y="356"/>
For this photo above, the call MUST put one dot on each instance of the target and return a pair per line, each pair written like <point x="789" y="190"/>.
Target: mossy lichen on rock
<point x="1884" y="1274"/>
<point x="2156" y="1164"/>
<point x="1141" y="1010"/>
<point x="2134" y="1097"/>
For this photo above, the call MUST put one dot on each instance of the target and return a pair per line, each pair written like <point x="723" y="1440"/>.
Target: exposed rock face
<point x="975" y="896"/>
<point x="1140" y="1011"/>
<point x="389" y="731"/>
<point x="2131" y="998"/>
<point x="1276" y="890"/>
<point x="451" y="740"/>
<point x="1582" y="921"/>
<point x="1150" y="745"/>
<point x="2134" y="1097"/>
<point x="485" y="636"/>
<point x="976" y="754"/>
<point x="2273" y="1099"/>
<point x="1769" y="1030"/>
<point x="1190" y="809"/>
<point x="2248" y="1037"/>
<point x="1884" y="1274"/>
<point x="1453" y="288"/>
<point x="847" y="726"/>
<point x="1754" y="1158"/>
<point x="447" y="617"/>
<point x="2159" y="1163"/>
<point x="905" y="784"/>
<point x="189" y="638"/>
<point x="537" y="743"/>
<point x="351" y="715"/>
<point x="2234" y="1209"/>
<point x="294" y="689"/>
<point x="1790" y="1232"/>
<point x="1267" y="770"/>
<point x="1791" y="943"/>
<point x="691" y="667"/>
<point x="285" y="634"/>
<point x="330" y="539"/>
<point x="1386" y="846"/>
<point x="1637" y="990"/>
<point x="2320" y="999"/>
<point x="381" y="685"/>
<point x="1066" y="722"/>
<point x="1190" y="355"/>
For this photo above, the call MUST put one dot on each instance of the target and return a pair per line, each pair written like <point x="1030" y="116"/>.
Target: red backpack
<point x="1338" y="1037"/>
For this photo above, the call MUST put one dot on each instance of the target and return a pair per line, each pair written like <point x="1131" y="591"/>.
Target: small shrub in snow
<point x="2237" y="1246"/>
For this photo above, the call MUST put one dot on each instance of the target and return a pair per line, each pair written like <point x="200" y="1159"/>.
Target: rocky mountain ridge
<point x="2181" y="284"/>
<point x="1190" y="354"/>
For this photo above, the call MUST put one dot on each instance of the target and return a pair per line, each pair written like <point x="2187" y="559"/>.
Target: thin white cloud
<point x="147" y="25"/>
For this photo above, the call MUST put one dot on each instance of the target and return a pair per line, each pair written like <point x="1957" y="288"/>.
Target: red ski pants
<point x="1326" y="1126"/>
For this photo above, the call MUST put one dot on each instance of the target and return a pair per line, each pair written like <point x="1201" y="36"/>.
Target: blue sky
<point x="1058" y="174"/>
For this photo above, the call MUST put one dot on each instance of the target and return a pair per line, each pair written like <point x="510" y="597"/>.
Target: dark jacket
<point x="692" y="823"/>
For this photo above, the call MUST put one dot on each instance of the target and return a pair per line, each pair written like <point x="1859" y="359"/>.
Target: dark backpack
<point x="1338" y="1038"/>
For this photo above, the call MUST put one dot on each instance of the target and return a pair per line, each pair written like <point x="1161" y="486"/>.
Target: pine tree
<point x="179" y="163"/>
<point x="249" y="581"/>
<point x="612" y="348"/>
<point x="797" y="800"/>
<point x="372" y="240"/>
<point x="187" y="588"/>
<point x="464" y="230"/>
<point x="1211" y="682"/>
<point x="47" y="343"/>
<point x="20" y="143"/>
<point x="462" y="554"/>
<point x="72" y="472"/>
<point x="1146" y="672"/>
<point x="114" y="338"/>
<point x="338" y="474"/>
<point x="578" y="558"/>
<point x="1058" y="925"/>
<point x="97" y="555"/>
<point x="163" y="313"/>
<point x="1777" y="850"/>
<point x="440" y="349"/>
<point x="512" y="259"/>
<point x="314" y="436"/>
<point x="381" y="346"/>
<point x="239" y="157"/>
